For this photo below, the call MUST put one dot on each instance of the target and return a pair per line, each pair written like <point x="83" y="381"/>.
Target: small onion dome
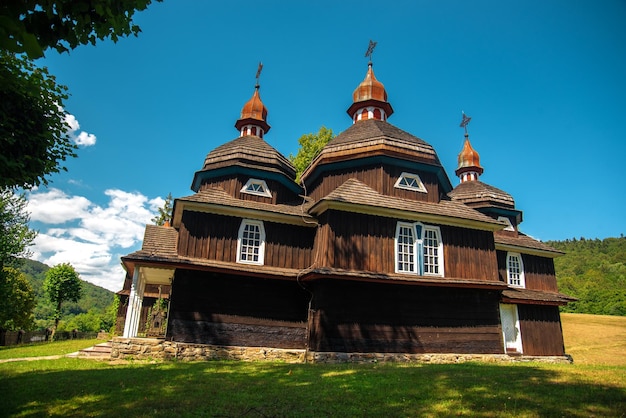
<point x="253" y="116"/>
<point x="469" y="163"/>
<point x="370" y="99"/>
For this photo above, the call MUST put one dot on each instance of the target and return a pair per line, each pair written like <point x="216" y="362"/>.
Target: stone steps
<point x="102" y="350"/>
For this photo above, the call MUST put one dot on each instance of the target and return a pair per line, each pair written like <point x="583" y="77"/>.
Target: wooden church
<point x="372" y="251"/>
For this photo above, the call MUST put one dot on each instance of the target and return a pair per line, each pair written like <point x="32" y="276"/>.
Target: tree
<point x="17" y="301"/>
<point x="33" y="130"/>
<point x="15" y="235"/>
<point x="310" y="146"/>
<point x="32" y="26"/>
<point x="62" y="284"/>
<point x="165" y="212"/>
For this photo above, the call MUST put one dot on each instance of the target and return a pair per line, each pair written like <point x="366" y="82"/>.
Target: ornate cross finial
<point x="465" y="121"/>
<point x="258" y="73"/>
<point x="370" y="49"/>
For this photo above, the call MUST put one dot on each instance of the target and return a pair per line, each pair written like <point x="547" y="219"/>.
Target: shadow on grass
<point x="71" y="387"/>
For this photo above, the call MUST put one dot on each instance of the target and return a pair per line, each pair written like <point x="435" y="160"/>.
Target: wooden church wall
<point x="214" y="237"/>
<point x="356" y="241"/>
<point x="379" y="178"/>
<point x="371" y="317"/>
<point x="207" y="308"/>
<point x="233" y="185"/>
<point x="541" y="330"/>
<point x="539" y="272"/>
<point x="469" y="253"/>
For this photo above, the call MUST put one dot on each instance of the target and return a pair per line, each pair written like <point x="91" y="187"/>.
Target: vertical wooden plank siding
<point x="378" y="177"/>
<point x="214" y="237"/>
<point x="541" y="330"/>
<point x="469" y="254"/>
<point x="539" y="272"/>
<point x="208" y="308"/>
<point x="372" y="317"/>
<point x="233" y="185"/>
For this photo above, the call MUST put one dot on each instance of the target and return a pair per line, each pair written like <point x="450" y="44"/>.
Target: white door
<point x="510" y="329"/>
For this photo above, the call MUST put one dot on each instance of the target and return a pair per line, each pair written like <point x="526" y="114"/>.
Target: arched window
<point x="515" y="270"/>
<point x="377" y="114"/>
<point x="251" y="242"/>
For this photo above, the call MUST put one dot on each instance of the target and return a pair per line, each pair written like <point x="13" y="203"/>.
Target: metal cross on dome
<point x="258" y="72"/>
<point x="465" y="121"/>
<point x="370" y="49"/>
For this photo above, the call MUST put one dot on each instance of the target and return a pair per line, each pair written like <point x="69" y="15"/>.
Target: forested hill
<point x="95" y="300"/>
<point x="594" y="271"/>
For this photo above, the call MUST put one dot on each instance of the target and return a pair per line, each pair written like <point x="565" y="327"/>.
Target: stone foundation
<point x="159" y="349"/>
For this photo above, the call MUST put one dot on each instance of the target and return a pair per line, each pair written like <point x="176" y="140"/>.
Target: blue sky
<point x="544" y="83"/>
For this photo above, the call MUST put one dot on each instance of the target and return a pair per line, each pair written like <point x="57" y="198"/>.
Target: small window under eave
<point x="409" y="181"/>
<point x="256" y="187"/>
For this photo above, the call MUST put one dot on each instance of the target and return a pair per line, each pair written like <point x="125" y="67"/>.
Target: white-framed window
<point x="515" y="270"/>
<point x="418" y="249"/>
<point x="410" y="181"/>
<point x="251" y="242"/>
<point x="257" y="187"/>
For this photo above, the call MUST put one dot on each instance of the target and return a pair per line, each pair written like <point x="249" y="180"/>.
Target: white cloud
<point x="80" y="138"/>
<point x="89" y="236"/>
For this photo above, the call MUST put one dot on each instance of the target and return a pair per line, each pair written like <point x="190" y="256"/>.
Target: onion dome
<point x="469" y="168"/>
<point x="253" y="117"/>
<point x="370" y="99"/>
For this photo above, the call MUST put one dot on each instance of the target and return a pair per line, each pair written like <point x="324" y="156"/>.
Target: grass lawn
<point x="78" y="387"/>
<point x="45" y="349"/>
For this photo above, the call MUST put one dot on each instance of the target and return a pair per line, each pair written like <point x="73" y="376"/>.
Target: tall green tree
<point x="17" y="301"/>
<point x="62" y="284"/>
<point x="310" y="146"/>
<point x="165" y="212"/>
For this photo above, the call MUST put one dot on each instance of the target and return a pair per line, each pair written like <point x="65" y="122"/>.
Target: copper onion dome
<point x="254" y="112"/>
<point x="370" y="92"/>
<point x="468" y="159"/>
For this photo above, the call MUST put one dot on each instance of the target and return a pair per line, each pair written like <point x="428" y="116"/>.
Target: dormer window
<point x="507" y="221"/>
<point x="409" y="181"/>
<point x="256" y="187"/>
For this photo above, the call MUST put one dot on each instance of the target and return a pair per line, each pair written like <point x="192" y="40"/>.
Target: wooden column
<point x="135" y="301"/>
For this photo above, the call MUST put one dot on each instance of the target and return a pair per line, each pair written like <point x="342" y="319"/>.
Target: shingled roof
<point x="518" y="295"/>
<point x="367" y="132"/>
<point x="477" y="194"/>
<point x="353" y="195"/>
<point x="525" y="244"/>
<point x="214" y="200"/>
<point x="159" y="241"/>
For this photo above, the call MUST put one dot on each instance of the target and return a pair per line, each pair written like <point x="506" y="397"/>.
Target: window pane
<point x="406" y="242"/>
<point x="431" y="251"/>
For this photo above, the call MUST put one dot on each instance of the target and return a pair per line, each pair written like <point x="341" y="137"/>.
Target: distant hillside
<point x="95" y="299"/>
<point x="594" y="271"/>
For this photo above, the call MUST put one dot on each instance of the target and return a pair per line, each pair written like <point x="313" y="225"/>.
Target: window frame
<point x="520" y="274"/>
<point x="240" y="244"/>
<point x="420" y="185"/>
<point x="419" y="232"/>
<point x="251" y="181"/>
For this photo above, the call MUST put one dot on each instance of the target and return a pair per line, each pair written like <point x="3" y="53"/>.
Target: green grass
<point x="78" y="387"/>
<point x="45" y="349"/>
<point x="75" y="387"/>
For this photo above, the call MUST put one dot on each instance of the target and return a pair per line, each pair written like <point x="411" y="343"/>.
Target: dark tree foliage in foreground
<point x="33" y="130"/>
<point x="17" y="301"/>
<point x="594" y="271"/>
<point x="33" y="26"/>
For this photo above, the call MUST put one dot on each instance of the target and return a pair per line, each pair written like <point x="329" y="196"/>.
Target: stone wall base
<point x="159" y="349"/>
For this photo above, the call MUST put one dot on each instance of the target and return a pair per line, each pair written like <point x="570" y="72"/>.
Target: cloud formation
<point x="92" y="238"/>
<point x="80" y="138"/>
